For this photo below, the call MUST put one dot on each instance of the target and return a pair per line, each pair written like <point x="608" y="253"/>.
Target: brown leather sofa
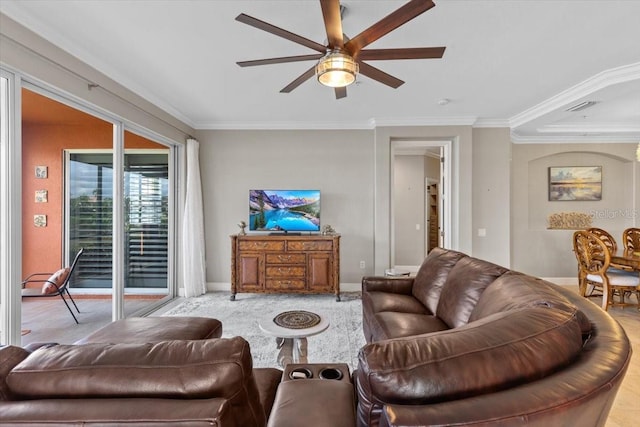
<point x="467" y="342"/>
<point x="144" y="371"/>
<point x="166" y="371"/>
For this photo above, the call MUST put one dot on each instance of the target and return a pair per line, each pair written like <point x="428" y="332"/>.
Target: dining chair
<point x="631" y="239"/>
<point x="610" y="243"/>
<point x="56" y="284"/>
<point x="594" y="260"/>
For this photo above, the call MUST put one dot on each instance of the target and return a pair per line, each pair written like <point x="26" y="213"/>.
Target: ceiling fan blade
<point x="403" y="53"/>
<point x="379" y="75"/>
<point x="265" y="26"/>
<point x="332" y="22"/>
<point x="387" y="24"/>
<point x="297" y="82"/>
<point x="280" y="60"/>
<point x="341" y="92"/>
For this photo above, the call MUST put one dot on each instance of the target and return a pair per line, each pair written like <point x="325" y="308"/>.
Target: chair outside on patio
<point x="53" y="284"/>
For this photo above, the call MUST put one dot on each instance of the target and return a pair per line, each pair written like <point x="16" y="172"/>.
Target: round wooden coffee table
<point x="291" y="329"/>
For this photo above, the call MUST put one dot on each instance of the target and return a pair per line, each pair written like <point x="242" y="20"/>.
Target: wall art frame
<point x="42" y="196"/>
<point x="575" y="183"/>
<point x="42" y="172"/>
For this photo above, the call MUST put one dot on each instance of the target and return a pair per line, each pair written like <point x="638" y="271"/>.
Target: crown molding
<point x="425" y="121"/>
<point x="569" y="139"/>
<point x="601" y="80"/>
<point x="614" y="128"/>
<point x="492" y="123"/>
<point x="272" y="125"/>
<point x="368" y="124"/>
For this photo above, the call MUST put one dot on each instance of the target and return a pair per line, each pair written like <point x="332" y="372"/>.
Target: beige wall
<point x="352" y="168"/>
<point x="338" y="163"/>
<point x="548" y="253"/>
<point x="491" y="194"/>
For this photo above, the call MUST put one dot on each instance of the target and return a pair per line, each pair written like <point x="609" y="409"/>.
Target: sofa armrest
<point x="396" y="285"/>
<point x="119" y="412"/>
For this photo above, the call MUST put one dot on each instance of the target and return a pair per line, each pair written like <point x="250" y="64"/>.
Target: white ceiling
<point x="516" y="63"/>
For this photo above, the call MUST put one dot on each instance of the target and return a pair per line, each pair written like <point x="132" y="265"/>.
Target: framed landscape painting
<point x="575" y="183"/>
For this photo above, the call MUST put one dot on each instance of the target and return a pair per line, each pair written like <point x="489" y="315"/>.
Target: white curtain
<point x="193" y="249"/>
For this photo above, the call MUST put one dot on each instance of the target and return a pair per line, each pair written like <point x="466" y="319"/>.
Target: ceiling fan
<point x="340" y="60"/>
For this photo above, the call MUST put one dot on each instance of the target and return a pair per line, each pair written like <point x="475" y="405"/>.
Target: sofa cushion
<point x="154" y="329"/>
<point x="10" y="356"/>
<point x="197" y="369"/>
<point x="395" y="325"/>
<point x="465" y="283"/>
<point x="494" y="353"/>
<point x="432" y="275"/>
<point x="376" y="302"/>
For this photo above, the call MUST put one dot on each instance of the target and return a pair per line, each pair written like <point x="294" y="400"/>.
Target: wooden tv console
<point x="304" y="264"/>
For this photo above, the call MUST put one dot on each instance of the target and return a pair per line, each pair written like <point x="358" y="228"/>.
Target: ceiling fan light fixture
<point x="336" y="69"/>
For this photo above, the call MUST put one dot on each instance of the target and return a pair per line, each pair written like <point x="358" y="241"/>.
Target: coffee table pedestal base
<point x="292" y="350"/>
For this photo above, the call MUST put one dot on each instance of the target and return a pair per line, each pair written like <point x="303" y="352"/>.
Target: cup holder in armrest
<point x="330" y="374"/>
<point x="300" y="374"/>
<point x="316" y="372"/>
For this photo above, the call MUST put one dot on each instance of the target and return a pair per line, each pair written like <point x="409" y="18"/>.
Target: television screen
<point x="284" y="210"/>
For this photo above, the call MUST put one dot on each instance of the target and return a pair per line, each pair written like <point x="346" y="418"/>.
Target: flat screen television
<point x="284" y="210"/>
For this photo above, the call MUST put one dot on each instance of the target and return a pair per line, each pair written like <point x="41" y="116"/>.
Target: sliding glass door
<point x="89" y="199"/>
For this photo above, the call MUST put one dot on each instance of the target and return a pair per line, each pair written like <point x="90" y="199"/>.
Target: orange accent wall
<point x="43" y="144"/>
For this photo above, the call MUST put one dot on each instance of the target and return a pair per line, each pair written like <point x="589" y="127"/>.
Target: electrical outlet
<point x="362" y="265"/>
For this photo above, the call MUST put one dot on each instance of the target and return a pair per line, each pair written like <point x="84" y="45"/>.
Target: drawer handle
<point x="284" y="257"/>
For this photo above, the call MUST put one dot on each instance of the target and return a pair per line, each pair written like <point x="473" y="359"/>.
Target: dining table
<point x="626" y="258"/>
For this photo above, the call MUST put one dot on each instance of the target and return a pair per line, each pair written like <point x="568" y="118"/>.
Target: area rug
<point x="338" y="344"/>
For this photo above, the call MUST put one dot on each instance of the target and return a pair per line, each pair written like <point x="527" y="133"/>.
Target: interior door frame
<point x="444" y="189"/>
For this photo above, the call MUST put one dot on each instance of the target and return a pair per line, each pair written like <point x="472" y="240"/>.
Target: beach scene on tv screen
<point x="284" y="210"/>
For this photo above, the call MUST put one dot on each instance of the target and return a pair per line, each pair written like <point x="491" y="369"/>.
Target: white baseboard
<point x="356" y="287"/>
<point x="223" y="286"/>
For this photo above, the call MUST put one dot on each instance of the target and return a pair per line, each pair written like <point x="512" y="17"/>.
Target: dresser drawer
<point x="310" y="245"/>
<point x="285" y="284"/>
<point x="285" y="258"/>
<point x="261" y="245"/>
<point x="286" y="271"/>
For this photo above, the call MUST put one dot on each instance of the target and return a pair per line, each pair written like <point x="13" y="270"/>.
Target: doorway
<point x="419" y="218"/>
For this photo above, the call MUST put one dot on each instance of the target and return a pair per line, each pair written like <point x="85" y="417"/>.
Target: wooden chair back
<point x="606" y="238"/>
<point x="631" y="239"/>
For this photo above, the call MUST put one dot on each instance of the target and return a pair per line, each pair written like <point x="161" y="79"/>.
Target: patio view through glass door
<point x="146" y="213"/>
